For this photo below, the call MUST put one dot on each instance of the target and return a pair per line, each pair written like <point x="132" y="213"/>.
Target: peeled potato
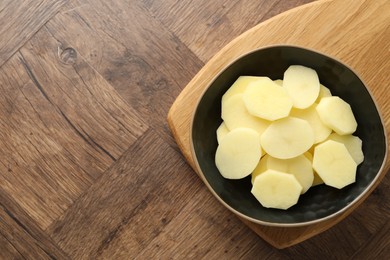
<point x="302" y="84"/>
<point x="235" y="115"/>
<point x="274" y="189"/>
<point x="222" y="131"/>
<point x="238" y="153"/>
<point x="287" y="138"/>
<point x="353" y="145"/>
<point x="239" y="86"/>
<point x="267" y="100"/>
<point x="334" y="165"/>
<point x="299" y="166"/>
<point x="317" y="179"/>
<point x="310" y="114"/>
<point x="337" y="114"/>
<point x="279" y="82"/>
<point x="324" y="92"/>
<point x="261" y="167"/>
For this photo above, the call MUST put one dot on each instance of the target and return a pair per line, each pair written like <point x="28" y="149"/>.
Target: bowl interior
<point x="321" y="201"/>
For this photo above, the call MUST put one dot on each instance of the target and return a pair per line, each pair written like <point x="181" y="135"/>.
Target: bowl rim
<point x="357" y="200"/>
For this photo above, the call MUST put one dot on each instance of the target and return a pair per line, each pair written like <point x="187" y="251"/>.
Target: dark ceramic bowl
<point x="320" y="202"/>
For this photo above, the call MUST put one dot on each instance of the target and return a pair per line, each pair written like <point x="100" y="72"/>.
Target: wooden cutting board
<point x="356" y="32"/>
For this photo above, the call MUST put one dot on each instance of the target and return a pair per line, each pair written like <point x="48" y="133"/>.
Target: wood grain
<point x="56" y="125"/>
<point x="210" y="25"/>
<point x="20" y="19"/>
<point x="88" y="166"/>
<point x="148" y="80"/>
<point x="353" y="21"/>
<point x="120" y="200"/>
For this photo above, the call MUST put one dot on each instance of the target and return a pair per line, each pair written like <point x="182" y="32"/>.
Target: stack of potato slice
<point x="290" y="134"/>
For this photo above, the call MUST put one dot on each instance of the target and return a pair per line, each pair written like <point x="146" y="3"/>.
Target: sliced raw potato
<point x="324" y="92"/>
<point x="279" y="82"/>
<point x="235" y="115"/>
<point x="302" y="84"/>
<point x="238" y="153"/>
<point x="316" y="180"/>
<point x="321" y="131"/>
<point x="267" y="100"/>
<point x="287" y="138"/>
<point x="222" y="131"/>
<point x="261" y="167"/>
<point x="299" y="166"/>
<point x="337" y="114"/>
<point x="353" y="145"/>
<point x="274" y="189"/>
<point x="334" y="165"/>
<point x="239" y="86"/>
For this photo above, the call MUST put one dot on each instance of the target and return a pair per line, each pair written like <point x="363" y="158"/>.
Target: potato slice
<point x="310" y="114"/>
<point x="239" y="86"/>
<point x="261" y="167"/>
<point x="353" y="145"/>
<point x="274" y="189"/>
<point x="287" y="138"/>
<point x="238" y="153"/>
<point x="267" y="100"/>
<point x="317" y="179"/>
<point x="337" y="114"/>
<point x="302" y="84"/>
<point x="235" y="115"/>
<point x="299" y="166"/>
<point x="279" y="82"/>
<point x="334" y="165"/>
<point x="324" y="92"/>
<point x="222" y="131"/>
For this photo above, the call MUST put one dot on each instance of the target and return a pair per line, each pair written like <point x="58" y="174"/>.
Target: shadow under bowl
<point x="320" y="202"/>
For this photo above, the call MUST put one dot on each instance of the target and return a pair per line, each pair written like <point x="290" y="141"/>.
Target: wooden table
<point x="88" y="166"/>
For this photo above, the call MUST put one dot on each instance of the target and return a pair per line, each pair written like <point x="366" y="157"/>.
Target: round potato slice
<point x="287" y="138"/>
<point x="302" y="84"/>
<point x="238" y="153"/>
<point x="299" y="166"/>
<point x="274" y="189"/>
<point x="261" y="167"/>
<point x="267" y="100"/>
<point x="353" y="145"/>
<point x="337" y="114"/>
<point x="334" y="165"/>
<point x="222" y="131"/>
<point x="235" y="115"/>
<point x="239" y="86"/>
<point x="279" y="82"/>
<point x="324" y="92"/>
<point x="310" y="114"/>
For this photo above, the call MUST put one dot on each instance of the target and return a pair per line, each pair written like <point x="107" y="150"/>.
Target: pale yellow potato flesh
<point x="222" y="131"/>
<point x="299" y="166"/>
<point x="239" y="86"/>
<point x="287" y="138"/>
<point x="267" y="100"/>
<point x="337" y="115"/>
<point x="290" y="122"/>
<point x="334" y="165"/>
<point x="274" y="189"/>
<point x="353" y="145"/>
<point x="302" y="84"/>
<point x="316" y="180"/>
<point x="235" y="115"/>
<point x="324" y="92"/>
<point x="261" y="167"/>
<point x="279" y="82"/>
<point x="238" y="153"/>
<point x="310" y="114"/>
